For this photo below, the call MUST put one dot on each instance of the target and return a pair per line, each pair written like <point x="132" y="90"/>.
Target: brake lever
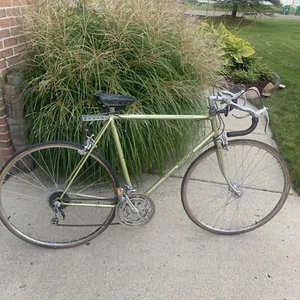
<point x="267" y="119"/>
<point x="264" y="112"/>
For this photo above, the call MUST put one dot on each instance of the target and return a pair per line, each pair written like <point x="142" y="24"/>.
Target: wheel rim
<point x="258" y="173"/>
<point x="32" y="181"/>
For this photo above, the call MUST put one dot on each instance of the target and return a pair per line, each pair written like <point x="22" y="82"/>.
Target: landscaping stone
<point x="268" y="89"/>
<point x="252" y="93"/>
<point x="15" y="80"/>
<point x="275" y="78"/>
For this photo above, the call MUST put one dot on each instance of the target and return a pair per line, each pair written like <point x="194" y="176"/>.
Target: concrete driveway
<point x="169" y="258"/>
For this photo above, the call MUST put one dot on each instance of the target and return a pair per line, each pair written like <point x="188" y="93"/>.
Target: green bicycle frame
<point x="110" y="121"/>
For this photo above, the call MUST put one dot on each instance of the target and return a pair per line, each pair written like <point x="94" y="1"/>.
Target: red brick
<point x="5" y="136"/>
<point x="7" y="152"/>
<point x="2" y="64"/>
<point x="1" y="45"/>
<point x="6" y="53"/>
<point x="19" y="49"/>
<point x="9" y="42"/>
<point x="5" y="3"/>
<point x="8" y="22"/>
<point x="17" y="2"/>
<point x="4" y="33"/>
<point x="3" y="126"/>
<point x="5" y="144"/>
<point x="2" y="13"/>
<point x="21" y="39"/>
<point x="13" y="61"/>
<point x="10" y="12"/>
<point x="3" y="73"/>
<point x="3" y="112"/>
<point x="16" y="30"/>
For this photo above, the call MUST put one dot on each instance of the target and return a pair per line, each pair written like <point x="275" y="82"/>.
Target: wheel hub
<point x="56" y="197"/>
<point x="238" y="190"/>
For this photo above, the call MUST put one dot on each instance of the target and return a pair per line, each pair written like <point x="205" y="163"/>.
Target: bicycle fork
<point x="221" y="146"/>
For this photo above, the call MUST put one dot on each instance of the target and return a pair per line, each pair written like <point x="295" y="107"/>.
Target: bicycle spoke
<point x="259" y="178"/>
<point x="33" y="203"/>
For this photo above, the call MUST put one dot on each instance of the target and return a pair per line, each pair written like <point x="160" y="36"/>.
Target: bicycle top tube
<point x="104" y="117"/>
<point x="110" y="103"/>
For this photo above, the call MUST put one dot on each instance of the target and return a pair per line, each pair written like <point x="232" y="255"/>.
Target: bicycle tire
<point x="259" y="173"/>
<point x="32" y="180"/>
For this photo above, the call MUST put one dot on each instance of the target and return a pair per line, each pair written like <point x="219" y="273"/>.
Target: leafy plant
<point x="253" y="70"/>
<point x="235" y="49"/>
<point x="134" y="47"/>
<point x="241" y="64"/>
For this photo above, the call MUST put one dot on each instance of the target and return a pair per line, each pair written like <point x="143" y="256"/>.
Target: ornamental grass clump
<point x="144" y="48"/>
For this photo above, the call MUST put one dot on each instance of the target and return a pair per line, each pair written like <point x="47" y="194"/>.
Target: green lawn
<point x="278" y="42"/>
<point x="212" y="7"/>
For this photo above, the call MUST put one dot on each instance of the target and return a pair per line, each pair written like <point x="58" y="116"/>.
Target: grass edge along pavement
<point x="274" y="40"/>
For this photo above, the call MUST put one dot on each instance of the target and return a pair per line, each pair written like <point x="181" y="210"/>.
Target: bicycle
<point x="233" y="187"/>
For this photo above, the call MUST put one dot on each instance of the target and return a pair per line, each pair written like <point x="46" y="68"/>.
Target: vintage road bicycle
<point x="61" y="194"/>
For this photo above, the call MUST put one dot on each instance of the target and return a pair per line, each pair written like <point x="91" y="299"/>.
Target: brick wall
<point x="11" y="55"/>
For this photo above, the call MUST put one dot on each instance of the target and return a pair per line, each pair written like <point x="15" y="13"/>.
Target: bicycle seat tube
<point x="120" y="153"/>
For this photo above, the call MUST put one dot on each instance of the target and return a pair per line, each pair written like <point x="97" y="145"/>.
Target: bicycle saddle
<point x="112" y="102"/>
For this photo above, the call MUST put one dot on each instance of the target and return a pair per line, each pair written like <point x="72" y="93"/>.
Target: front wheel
<point x="35" y="207"/>
<point x="256" y="170"/>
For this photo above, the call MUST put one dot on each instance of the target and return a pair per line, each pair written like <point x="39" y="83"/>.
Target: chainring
<point x="143" y="203"/>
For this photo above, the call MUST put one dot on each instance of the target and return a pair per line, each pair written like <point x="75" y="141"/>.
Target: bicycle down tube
<point x="213" y="134"/>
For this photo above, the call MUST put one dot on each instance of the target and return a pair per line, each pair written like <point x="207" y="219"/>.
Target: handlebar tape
<point x="246" y="131"/>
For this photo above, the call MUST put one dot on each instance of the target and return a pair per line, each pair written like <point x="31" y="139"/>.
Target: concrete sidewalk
<point x="169" y="258"/>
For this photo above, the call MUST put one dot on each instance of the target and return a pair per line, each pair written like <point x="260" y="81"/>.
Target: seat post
<point x="120" y="153"/>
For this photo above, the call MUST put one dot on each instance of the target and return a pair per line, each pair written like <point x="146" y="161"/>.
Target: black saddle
<point x="112" y="102"/>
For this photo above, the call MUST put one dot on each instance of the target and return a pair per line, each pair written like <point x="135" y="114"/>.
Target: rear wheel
<point x="34" y="206"/>
<point x="256" y="170"/>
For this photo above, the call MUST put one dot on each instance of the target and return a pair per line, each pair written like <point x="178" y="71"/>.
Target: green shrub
<point x="253" y="70"/>
<point x="241" y="63"/>
<point x="139" y="47"/>
<point x="235" y="49"/>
